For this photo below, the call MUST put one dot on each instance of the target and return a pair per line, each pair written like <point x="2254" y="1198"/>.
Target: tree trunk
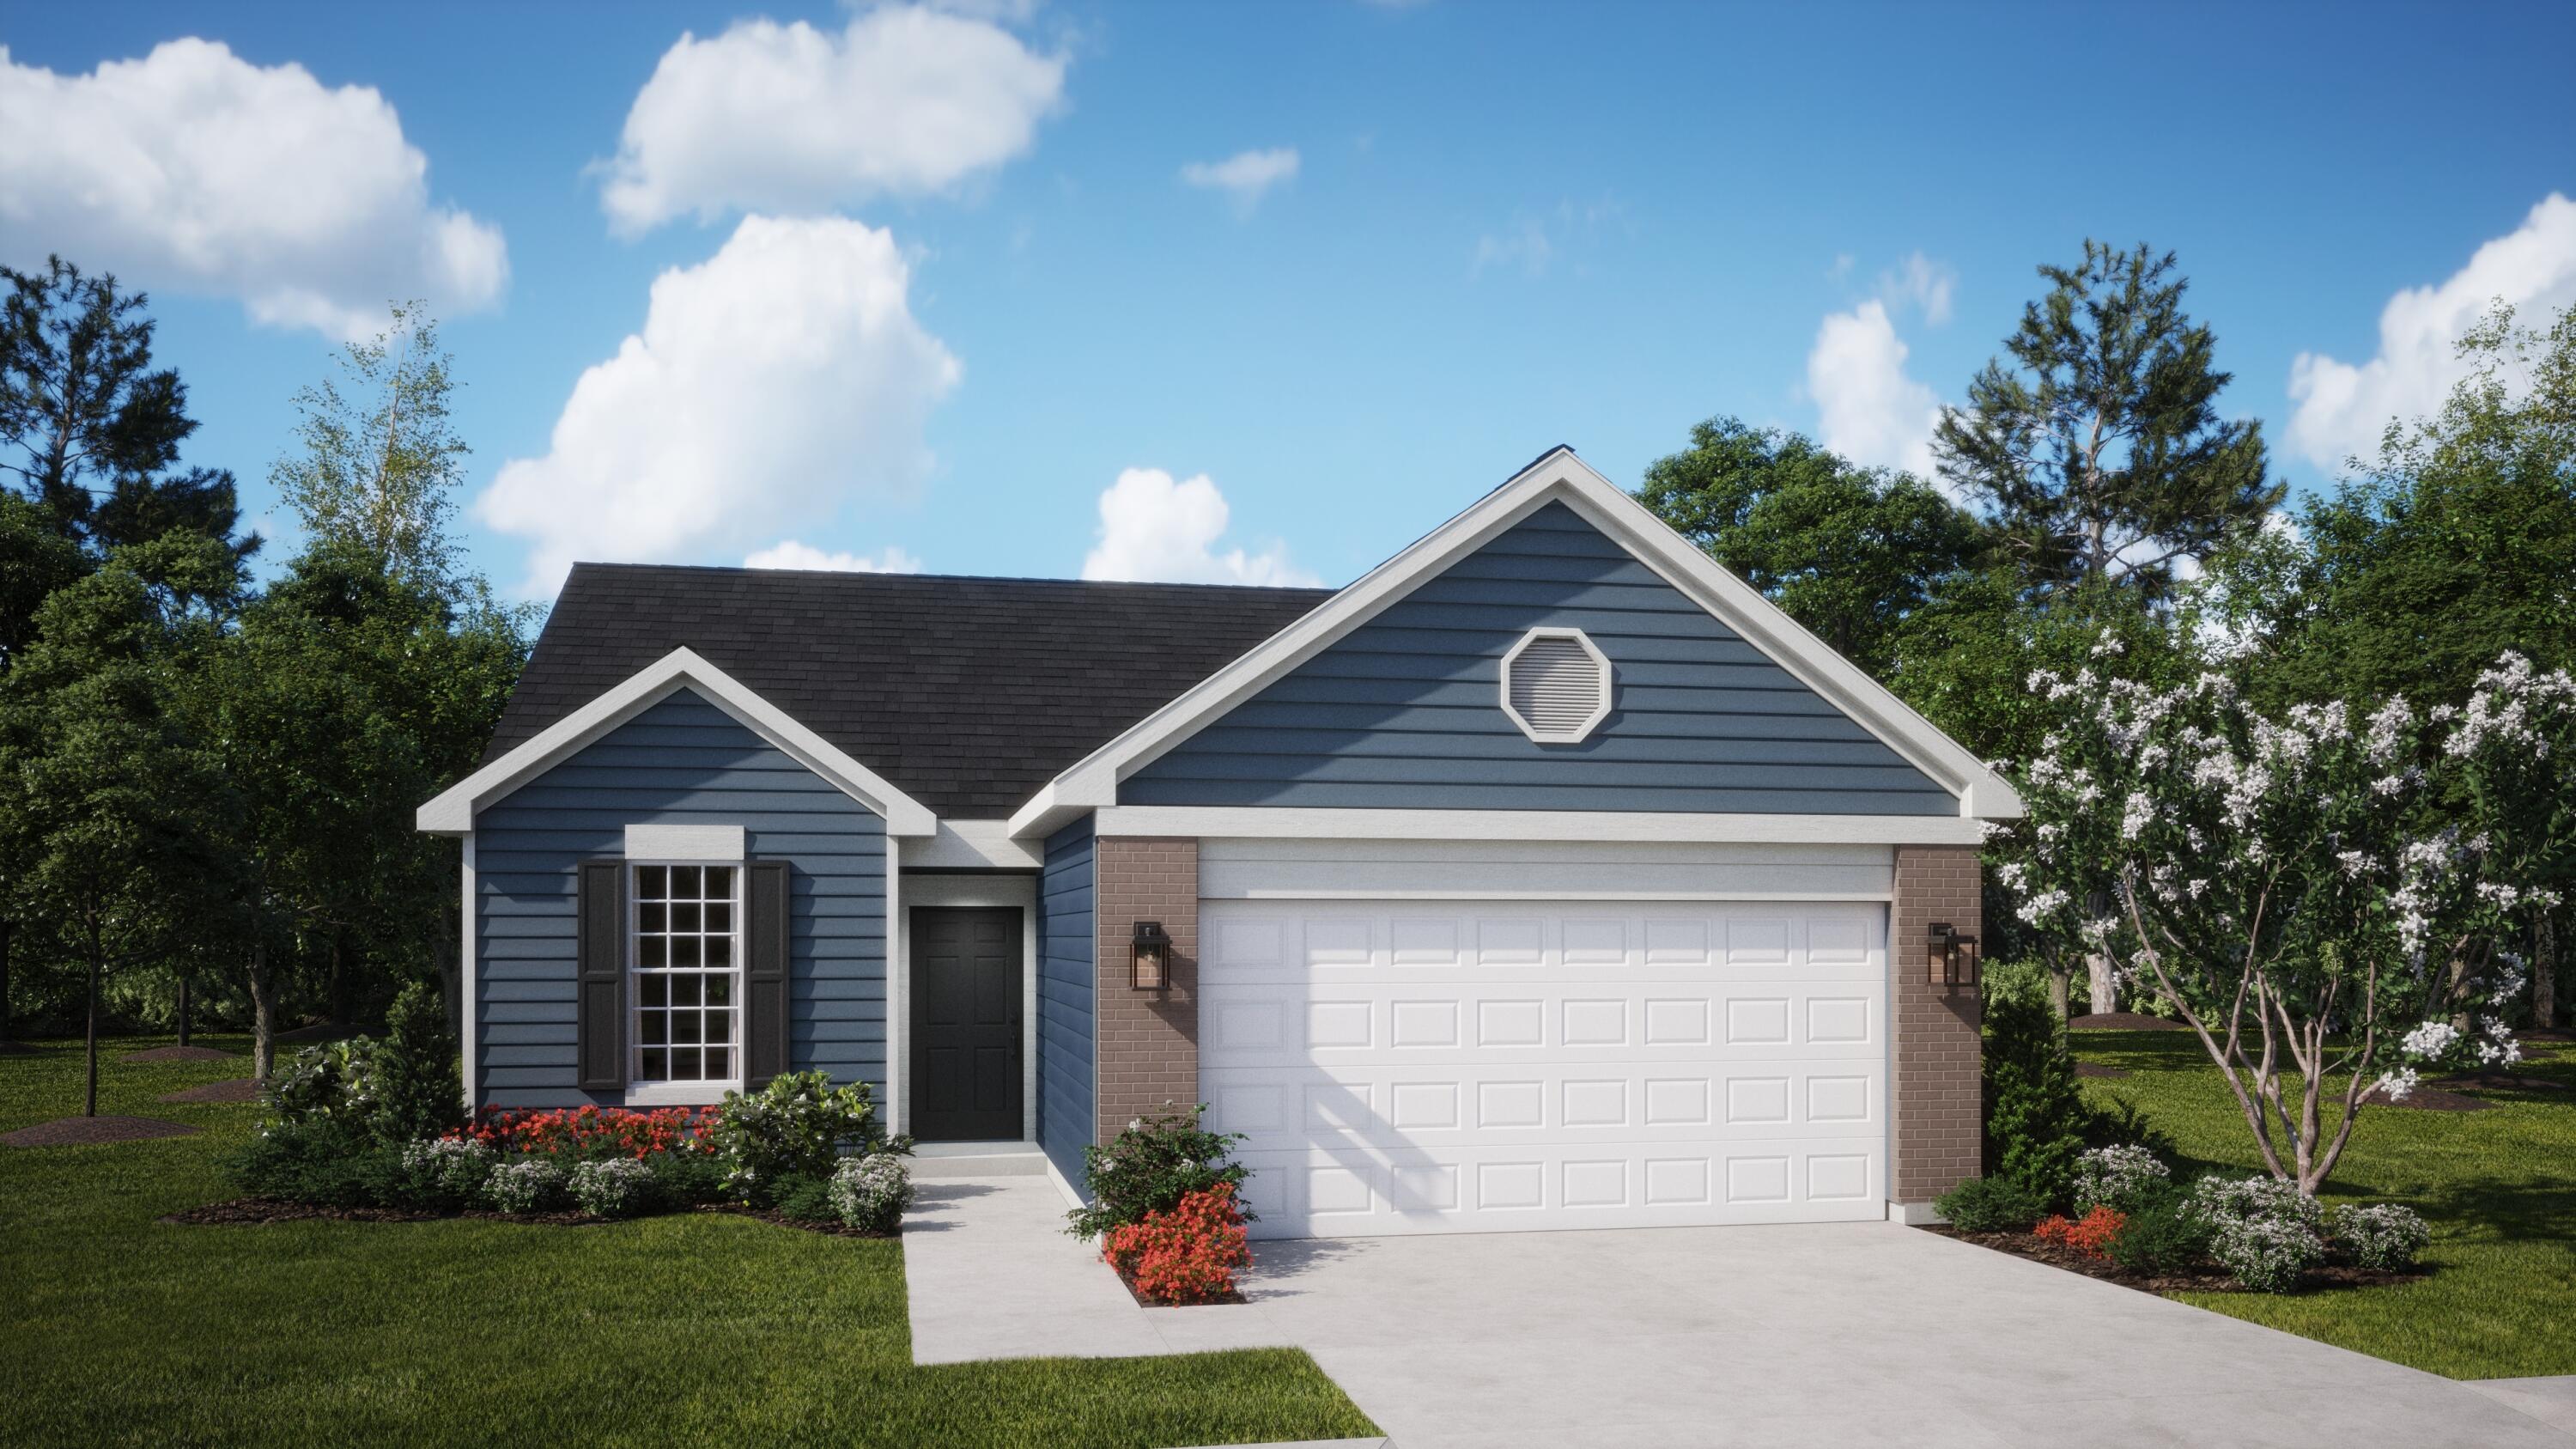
<point x="339" y="991"/>
<point x="89" y="1099"/>
<point x="2544" y="976"/>
<point x="2061" y="987"/>
<point x="2103" y="987"/>
<point x="7" y="929"/>
<point x="263" y="1016"/>
<point x="183" y="1011"/>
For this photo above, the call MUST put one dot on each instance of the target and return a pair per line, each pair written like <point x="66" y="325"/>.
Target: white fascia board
<point x="1307" y="823"/>
<point x="1092" y="782"/>
<point x="452" y="812"/>
<point x="973" y="845"/>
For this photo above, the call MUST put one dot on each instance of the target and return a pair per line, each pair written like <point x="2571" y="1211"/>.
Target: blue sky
<point x="1507" y="226"/>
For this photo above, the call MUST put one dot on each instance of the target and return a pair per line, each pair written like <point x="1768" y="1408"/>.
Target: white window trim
<point x="641" y="1093"/>
<point x="1600" y="708"/>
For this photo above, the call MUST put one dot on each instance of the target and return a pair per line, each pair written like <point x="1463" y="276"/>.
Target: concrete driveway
<point x="1839" y="1335"/>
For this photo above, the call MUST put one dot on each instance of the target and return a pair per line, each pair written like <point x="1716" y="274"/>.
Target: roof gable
<point x="1404" y="711"/>
<point x="1557" y="480"/>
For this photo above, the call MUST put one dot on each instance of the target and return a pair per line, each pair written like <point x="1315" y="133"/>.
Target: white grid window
<point x="688" y="959"/>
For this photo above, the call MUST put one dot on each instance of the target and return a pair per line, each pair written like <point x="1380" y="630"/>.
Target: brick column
<point x="1935" y="1098"/>
<point x="1148" y="1040"/>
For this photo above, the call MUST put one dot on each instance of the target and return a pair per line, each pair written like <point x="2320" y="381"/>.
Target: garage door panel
<point x="1410" y="1066"/>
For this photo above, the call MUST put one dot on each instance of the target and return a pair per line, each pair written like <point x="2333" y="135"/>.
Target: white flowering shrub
<point x="612" y="1187"/>
<point x="2120" y="1178"/>
<point x="2264" y="1230"/>
<point x="446" y="1172"/>
<point x="2383" y="1236"/>
<point x="871" y="1192"/>
<point x="526" y="1185"/>
<point x="2295" y="887"/>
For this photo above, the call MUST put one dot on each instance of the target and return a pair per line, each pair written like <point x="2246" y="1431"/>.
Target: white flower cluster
<point x="615" y="1187"/>
<point x="2397" y="1084"/>
<point x="2500" y="710"/>
<point x="871" y="1192"/>
<point x="531" y="1184"/>
<point x="2039" y="908"/>
<point x="454" y="1167"/>
<point x="2382" y="1236"/>
<point x="2264" y="1230"/>
<point x="2139" y="813"/>
<point x="2119" y="1178"/>
<point x="2430" y="1041"/>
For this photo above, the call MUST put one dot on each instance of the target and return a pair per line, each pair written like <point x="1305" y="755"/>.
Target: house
<point x="1547" y="876"/>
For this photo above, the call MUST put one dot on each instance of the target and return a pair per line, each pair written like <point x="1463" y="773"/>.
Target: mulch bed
<point x="2096" y="1069"/>
<point x="84" y="1131"/>
<point x="238" y="1089"/>
<point x="2122" y="1021"/>
<point x="318" y="1031"/>
<point x="255" y="1211"/>
<point x="178" y="1054"/>
<point x="2429" y="1099"/>
<point x="1142" y="1301"/>
<point x="2206" y="1278"/>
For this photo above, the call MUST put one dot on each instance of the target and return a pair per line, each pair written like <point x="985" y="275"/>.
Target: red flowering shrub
<point x="2091" y="1235"/>
<point x="589" y="1132"/>
<point x="1185" y="1254"/>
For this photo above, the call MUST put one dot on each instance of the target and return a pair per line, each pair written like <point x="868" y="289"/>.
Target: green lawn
<point x="2498" y="1187"/>
<point x="695" y="1329"/>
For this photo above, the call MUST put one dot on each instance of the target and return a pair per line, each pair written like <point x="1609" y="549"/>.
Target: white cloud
<point x="1155" y="529"/>
<point x="790" y="554"/>
<point x="1868" y="409"/>
<point x="772" y="382"/>
<point x="2343" y="409"/>
<point x="194" y="169"/>
<point x="1524" y="247"/>
<point x="1924" y="283"/>
<point x="1246" y="176"/>
<point x="787" y="118"/>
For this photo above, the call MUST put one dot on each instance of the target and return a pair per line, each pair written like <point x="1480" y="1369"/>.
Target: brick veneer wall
<point x="1149" y="1041"/>
<point x="1935" y="1088"/>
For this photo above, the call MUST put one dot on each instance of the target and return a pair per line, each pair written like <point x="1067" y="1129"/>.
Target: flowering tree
<point x="2507" y="752"/>
<point x="2278" y="881"/>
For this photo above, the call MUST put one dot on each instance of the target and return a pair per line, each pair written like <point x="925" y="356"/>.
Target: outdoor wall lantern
<point x="1952" y="957"/>
<point x="1150" y="962"/>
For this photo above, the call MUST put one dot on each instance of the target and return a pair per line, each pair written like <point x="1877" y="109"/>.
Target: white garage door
<point x="1411" y="1066"/>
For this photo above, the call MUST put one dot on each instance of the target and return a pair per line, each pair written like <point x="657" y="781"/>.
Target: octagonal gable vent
<point x="1556" y="686"/>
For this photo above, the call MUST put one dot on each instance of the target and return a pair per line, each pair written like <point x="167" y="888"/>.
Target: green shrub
<point x="1990" y="1205"/>
<point x="2019" y="982"/>
<point x="2035" y="1112"/>
<point x="415" y="1080"/>
<point x="687" y="1179"/>
<point x="326" y="1161"/>
<point x="870" y="1193"/>
<point x="331" y="1082"/>
<point x="795" y="1127"/>
<point x="803" y="1197"/>
<point x="2382" y="1236"/>
<point x="2163" y="1234"/>
<point x="1150" y="1167"/>
<point x="528" y="1185"/>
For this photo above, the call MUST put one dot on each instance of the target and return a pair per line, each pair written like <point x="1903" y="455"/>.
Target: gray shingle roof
<point x="968" y="693"/>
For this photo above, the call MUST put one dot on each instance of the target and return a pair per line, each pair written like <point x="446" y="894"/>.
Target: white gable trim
<point x="453" y="811"/>
<point x="1559" y="477"/>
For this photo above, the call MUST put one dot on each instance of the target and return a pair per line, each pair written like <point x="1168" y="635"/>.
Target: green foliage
<point x="2035" y="1112"/>
<point x="381" y="463"/>
<point x="1990" y="1205"/>
<point x="803" y="1197"/>
<point x="420" y="1090"/>
<point x="442" y="1174"/>
<point x="1150" y="1167"/>
<point x="329" y="1161"/>
<point x="2102" y="450"/>
<point x="2163" y="1234"/>
<point x="793" y="1129"/>
<point x="1852" y="553"/>
<point x="688" y="1179"/>
<point x="529" y="1185"/>
<point x="612" y="1187"/>
<point x="2384" y="1236"/>
<point x="870" y="1193"/>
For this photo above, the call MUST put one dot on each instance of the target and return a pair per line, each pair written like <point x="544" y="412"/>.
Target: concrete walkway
<point x="1828" y="1335"/>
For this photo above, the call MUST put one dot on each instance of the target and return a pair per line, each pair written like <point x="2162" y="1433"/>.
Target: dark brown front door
<point x="966" y="1024"/>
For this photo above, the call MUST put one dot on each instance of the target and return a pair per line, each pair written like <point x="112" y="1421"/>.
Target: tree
<point x="2102" y="451"/>
<point x="92" y="429"/>
<point x="2282" y="882"/>
<point x="381" y="461"/>
<point x="1852" y="553"/>
<point x="112" y="806"/>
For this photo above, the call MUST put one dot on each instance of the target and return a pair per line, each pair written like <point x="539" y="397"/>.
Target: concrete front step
<point x="943" y="1160"/>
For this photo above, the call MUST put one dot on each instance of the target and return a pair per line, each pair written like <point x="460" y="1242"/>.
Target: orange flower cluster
<point x="588" y="1132"/>
<point x="2092" y="1235"/>
<point x="1185" y="1255"/>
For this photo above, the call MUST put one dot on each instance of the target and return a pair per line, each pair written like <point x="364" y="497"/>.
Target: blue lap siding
<point x="1067" y="980"/>
<point x="680" y="762"/>
<point x="1402" y="713"/>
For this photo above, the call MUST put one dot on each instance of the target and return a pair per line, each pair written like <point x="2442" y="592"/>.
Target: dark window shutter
<point x="764" y="973"/>
<point x="599" y="1013"/>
